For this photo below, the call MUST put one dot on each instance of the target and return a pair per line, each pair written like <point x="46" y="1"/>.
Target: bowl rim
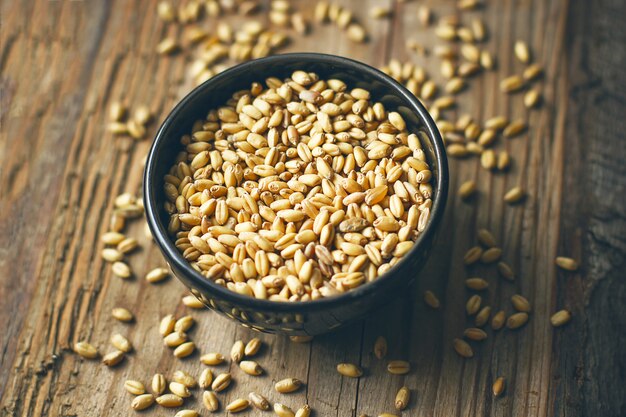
<point x="170" y="252"/>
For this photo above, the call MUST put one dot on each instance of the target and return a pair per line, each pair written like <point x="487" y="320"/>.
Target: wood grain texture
<point x="62" y="64"/>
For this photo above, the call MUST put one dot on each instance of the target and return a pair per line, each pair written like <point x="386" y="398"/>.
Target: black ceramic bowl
<point x="299" y="318"/>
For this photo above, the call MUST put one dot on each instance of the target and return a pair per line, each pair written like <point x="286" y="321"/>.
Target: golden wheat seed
<point x="251" y="368"/>
<point x="566" y="263"/>
<point x="498" y="320"/>
<point x="424" y="15"/>
<point x="117" y="111"/>
<point x="169" y="400"/>
<point x="446" y="32"/>
<point x="349" y="370"/>
<point x="134" y="387"/>
<point x="86" y="350"/>
<point x="157" y="275"/>
<point x="206" y="379"/>
<point x="491" y="255"/>
<point x="282" y="410"/>
<point x="498" y="386"/>
<point x="398" y="367"/>
<point x="121" y="270"/>
<point x="304" y="411"/>
<point x="478" y="30"/>
<point x="462" y="348"/>
<point x="467" y="189"/>
<point x="505" y="271"/>
<point x="221" y="382"/>
<point x="512" y="84"/>
<point x="112" y="255"/>
<point x="487" y="60"/>
<point x="167" y="325"/>
<point x="121" y="343"/>
<point x="477" y="284"/>
<point x="122" y="314"/>
<point x="522" y="52"/>
<point x="192" y="301"/>
<point x="380" y="347"/>
<point x="321" y="11"/>
<point x="179" y="389"/>
<point x="288" y="385"/>
<point x="167" y="46"/>
<point x="473" y="305"/>
<point x="237" y="351"/>
<point x="457" y="150"/>
<point x="560" y="318"/>
<point x="113" y="358"/>
<point x="184" y="323"/>
<point x="532" y="72"/>
<point x="166" y="11"/>
<point x="184" y="349"/>
<point x="486" y="238"/>
<point x="210" y="401"/>
<point x="212" y="359"/>
<point x="431" y="299"/>
<point x="112" y="238"/>
<point x="158" y="384"/>
<point x="184" y="378"/>
<point x="175" y="339"/>
<point x="238" y="405"/>
<point x="516" y="320"/>
<point x="487" y="137"/>
<point x="496" y="123"/>
<point x="259" y="401"/>
<point x="142" y="115"/>
<point x="356" y="33"/>
<point x="532" y="98"/>
<point x="520" y="303"/>
<point x="514" y="128"/>
<point x="474" y="333"/>
<point x="141" y="402"/>
<point x="504" y="161"/>
<point x="252" y="347"/>
<point x="403" y="397"/>
<point x="379" y="12"/>
<point x="514" y="195"/>
<point x="187" y="413"/>
<point x="482" y="317"/>
<point x="118" y="128"/>
<point x="473" y="255"/>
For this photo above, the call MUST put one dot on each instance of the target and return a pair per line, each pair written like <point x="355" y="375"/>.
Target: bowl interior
<point x="219" y="89"/>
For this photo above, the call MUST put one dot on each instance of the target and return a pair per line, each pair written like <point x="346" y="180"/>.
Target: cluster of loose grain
<point x="487" y="252"/>
<point x="216" y="49"/>
<point x="216" y="45"/>
<point x="183" y="384"/>
<point x="301" y="190"/>
<point x="462" y="59"/>
<point x="120" y="343"/>
<point x="118" y="245"/>
<point x="174" y="333"/>
<point x="394" y="367"/>
<point x="134" y="126"/>
<point x="342" y="17"/>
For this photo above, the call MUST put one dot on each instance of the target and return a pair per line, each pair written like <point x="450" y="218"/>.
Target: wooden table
<point x="64" y="62"/>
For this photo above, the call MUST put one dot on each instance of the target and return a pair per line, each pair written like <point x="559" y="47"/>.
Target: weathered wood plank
<point x="60" y="165"/>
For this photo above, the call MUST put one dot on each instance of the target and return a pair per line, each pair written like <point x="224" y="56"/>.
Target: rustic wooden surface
<point x="64" y="62"/>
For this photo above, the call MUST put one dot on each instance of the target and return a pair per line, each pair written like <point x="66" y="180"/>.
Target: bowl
<point x="294" y="318"/>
